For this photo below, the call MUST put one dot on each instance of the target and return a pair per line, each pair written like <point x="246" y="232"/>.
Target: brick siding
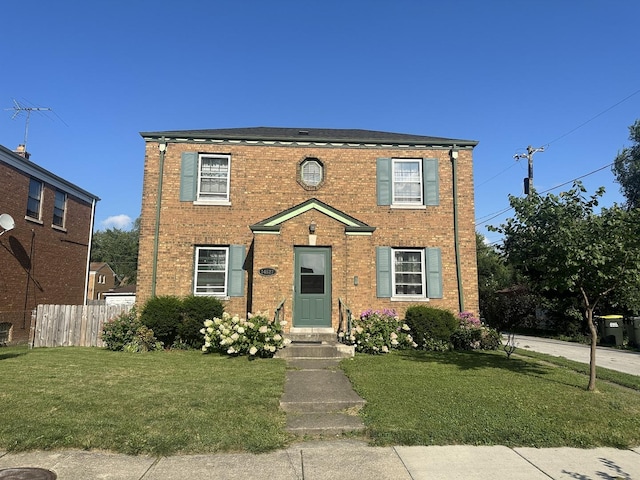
<point x="263" y="183"/>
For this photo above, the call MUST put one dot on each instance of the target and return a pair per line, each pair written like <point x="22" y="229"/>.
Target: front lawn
<point x="158" y="403"/>
<point x="481" y="398"/>
<point x="162" y="403"/>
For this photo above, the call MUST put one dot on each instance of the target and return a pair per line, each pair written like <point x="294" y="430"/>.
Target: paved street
<point x="620" y="360"/>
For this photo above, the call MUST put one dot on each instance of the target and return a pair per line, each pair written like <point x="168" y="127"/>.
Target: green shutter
<point x="236" y="272"/>
<point x="188" y="176"/>
<point x="433" y="260"/>
<point x="430" y="181"/>
<point x="383" y="272"/>
<point x="384" y="182"/>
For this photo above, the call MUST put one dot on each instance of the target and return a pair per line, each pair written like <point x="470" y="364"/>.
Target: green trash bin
<point x="633" y="330"/>
<point x="611" y="329"/>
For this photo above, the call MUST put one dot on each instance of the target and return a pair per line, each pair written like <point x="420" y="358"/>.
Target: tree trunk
<point x="594" y="342"/>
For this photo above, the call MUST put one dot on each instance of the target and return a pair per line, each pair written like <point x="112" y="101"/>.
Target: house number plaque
<point x="267" y="272"/>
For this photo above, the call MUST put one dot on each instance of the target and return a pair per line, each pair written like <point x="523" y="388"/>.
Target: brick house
<point x="44" y="259"/>
<point x="102" y="278"/>
<point x="260" y="216"/>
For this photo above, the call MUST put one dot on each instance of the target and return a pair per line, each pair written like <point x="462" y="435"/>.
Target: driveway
<point x="620" y="360"/>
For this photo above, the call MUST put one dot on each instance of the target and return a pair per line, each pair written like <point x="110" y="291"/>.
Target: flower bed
<point x="379" y="331"/>
<point x="256" y="336"/>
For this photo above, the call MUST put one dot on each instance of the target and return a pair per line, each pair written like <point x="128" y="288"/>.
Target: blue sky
<point x="508" y="73"/>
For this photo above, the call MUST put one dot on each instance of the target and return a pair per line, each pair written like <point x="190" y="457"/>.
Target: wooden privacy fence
<point x="71" y="325"/>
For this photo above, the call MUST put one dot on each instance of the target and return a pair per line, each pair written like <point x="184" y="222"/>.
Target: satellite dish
<point x="6" y="223"/>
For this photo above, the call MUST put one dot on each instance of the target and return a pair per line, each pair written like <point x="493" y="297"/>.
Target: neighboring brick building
<point x="44" y="259"/>
<point x="261" y="215"/>
<point x="102" y="279"/>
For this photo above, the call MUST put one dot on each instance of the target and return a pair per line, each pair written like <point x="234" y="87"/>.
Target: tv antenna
<point x="18" y="108"/>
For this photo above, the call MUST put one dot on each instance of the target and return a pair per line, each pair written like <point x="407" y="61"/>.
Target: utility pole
<point x="528" y="182"/>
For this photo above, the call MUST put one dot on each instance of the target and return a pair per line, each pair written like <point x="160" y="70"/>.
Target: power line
<point x="497" y="214"/>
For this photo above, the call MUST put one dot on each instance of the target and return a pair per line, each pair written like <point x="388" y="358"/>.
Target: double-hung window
<point x="408" y="272"/>
<point x="407" y="182"/>
<point x="213" y="177"/>
<point x="59" y="208"/>
<point x="211" y="271"/>
<point x="219" y="270"/>
<point x="205" y="178"/>
<point x="34" y="202"/>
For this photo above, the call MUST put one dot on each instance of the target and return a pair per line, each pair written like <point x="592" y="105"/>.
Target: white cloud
<point x="122" y="222"/>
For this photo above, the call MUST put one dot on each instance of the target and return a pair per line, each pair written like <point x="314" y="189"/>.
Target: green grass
<point x="157" y="403"/>
<point x="619" y="378"/>
<point x="482" y="398"/>
<point x="162" y="403"/>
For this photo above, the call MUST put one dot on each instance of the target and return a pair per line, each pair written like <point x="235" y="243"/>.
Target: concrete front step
<point x="316" y="350"/>
<point x="325" y="424"/>
<point x="314" y="391"/>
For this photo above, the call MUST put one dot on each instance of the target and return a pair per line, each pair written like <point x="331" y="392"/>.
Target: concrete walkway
<point x="621" y="360"/>
<point x="333" y="460"/>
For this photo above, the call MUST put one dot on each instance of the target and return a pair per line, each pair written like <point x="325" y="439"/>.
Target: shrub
<point x="429" y="323"/>
<point x="162" y="315"/>
<point x="472" y="335"/>
<point x="378" y="332"/>
<point x="127" y="333"/>
<point x="195" y="310"/>
<point x="256" y="336"/>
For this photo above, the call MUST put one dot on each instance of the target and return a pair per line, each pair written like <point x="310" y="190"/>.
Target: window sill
<point x="409" y="298"/>
<point x="409" y="207"/>
<point x="221" y="203"/>
<point x="220" y="297"/>
<point x="34" y="220"/>
<point x="59" y="228"/>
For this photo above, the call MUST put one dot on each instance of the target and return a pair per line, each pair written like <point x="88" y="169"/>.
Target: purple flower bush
<point x="473" y="335"/>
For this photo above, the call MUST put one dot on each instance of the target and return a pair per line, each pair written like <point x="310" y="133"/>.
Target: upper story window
<point x="213" y="177"/>
<point x="34" y="202"/>
<point x="310" y="173"/>
<point x="59" y="208"/>
<point x="407" y="181"/>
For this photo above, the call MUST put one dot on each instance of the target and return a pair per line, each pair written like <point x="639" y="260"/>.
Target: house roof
<point x="332" y="135"/>
<point x="28" y="167"/>
<point x="97" y="266"/>
<point x="124" y="290"/>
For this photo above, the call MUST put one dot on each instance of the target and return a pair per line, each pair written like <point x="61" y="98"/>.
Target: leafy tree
<point x="493" y="274"/>
<point x="627" y="168"/>
<point x="564" y="247"/>
<point x="118" y="248"/>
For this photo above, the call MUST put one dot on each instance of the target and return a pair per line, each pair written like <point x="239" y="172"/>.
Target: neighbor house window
<point x="407" y="181"/>
<point x="34" y="203"/>
<point x="408" y="272"/>
<point x="213" y="177"/>
<point x="59" y="208"/>
<point x="211" y="271"/>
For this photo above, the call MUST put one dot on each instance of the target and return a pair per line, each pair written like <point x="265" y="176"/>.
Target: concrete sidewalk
<point x="621" y="360"/>
<point x="343" y="459"/>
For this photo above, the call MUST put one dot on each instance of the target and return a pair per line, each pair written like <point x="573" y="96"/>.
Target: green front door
<point x="312" y="299"/>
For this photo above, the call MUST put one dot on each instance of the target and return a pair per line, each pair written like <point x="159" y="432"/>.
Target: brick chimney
<point x="22" y="151"/>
